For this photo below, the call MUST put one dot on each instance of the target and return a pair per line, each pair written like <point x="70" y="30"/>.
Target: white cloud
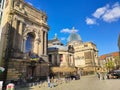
<point x="112" y="14"/>
<point x="67" y="30"/>
<point x="90" y="21"/>
<point x="100" y="11"/>
<point x="108" y="13"/>
<point x="116" y="4"/>
<point x="63" y="38"/>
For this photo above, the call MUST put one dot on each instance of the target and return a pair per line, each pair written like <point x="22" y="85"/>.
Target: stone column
<point x="36" y="46"/>
<point x="20" y="35"/>
<point x="20" y="28"/>
<point x="58" y="59"/>
<point x="24" y="44"/>
<point x="45" y="43"/>
<point x="41" y="43"/>
<point x="72" y="60"/>
<point x="14" y="25"/>
<point x="67" y="59"/>
<point x="53" y="59"/>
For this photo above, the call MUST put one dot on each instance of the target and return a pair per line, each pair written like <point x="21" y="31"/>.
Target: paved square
<point x="85" y="83"/>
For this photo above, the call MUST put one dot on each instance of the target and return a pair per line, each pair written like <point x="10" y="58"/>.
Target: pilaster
<point x="20" y="35"/>
<point x="36" y="46"/>
<point x="24" y="44"/>
<point x="41" y="43"/>
<point x="14" y="25"/>
<point x="45" y="43"/>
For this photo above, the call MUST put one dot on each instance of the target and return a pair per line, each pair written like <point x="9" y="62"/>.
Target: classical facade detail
<point x="28" y="38"/>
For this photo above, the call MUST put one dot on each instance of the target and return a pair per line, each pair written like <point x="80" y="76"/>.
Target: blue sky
<point x="95" y="20"/>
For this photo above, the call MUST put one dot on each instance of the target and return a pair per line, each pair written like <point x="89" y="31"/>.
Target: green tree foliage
<point x="110" y="65"/>
<point x="117" y="60"/>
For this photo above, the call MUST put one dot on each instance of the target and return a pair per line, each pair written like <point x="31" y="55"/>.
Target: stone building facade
<point x="24" y="36"/>
<point x="112" y="57"/>
<point x="85" y="53"/>
<point x="59" y="55"/>
<point x="79" y="54"/>
<point x="2" y="5"/>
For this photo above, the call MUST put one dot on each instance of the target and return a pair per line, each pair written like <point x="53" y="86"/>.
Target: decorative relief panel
<point x="88" y="55"/>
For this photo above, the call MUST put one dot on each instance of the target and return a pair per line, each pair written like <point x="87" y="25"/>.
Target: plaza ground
<point x="85" y="83"/>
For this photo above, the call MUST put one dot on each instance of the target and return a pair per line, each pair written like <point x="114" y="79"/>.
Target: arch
<point x="29" y="29"/>
<point x="30" y="34"/>
<point x="29" y="42"/>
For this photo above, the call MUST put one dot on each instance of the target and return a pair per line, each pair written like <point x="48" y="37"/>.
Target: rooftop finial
<point x="73" y="29"/>
<point x="55" y="37"/>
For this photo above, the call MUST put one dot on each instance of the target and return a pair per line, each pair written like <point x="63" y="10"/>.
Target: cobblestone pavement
<point x="85" y="83"/>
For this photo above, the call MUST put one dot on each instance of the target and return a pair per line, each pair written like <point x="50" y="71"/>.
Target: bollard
<point x="1" y="84"/>
<point x="10" y="86"/>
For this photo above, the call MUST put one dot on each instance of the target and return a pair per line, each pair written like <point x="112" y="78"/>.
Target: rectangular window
<point x="85" y="45"/>
<point x="61" y="57"/>
<point x="0" y="17"/>
<point x="2" y="4"/>
<point x="50" y="58"/>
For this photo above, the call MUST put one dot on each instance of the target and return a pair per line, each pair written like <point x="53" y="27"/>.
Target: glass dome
<point x="74" y="37"/>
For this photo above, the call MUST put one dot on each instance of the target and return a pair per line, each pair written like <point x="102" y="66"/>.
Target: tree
<point x="117" y="61"/>
<point x="109" y="65"/>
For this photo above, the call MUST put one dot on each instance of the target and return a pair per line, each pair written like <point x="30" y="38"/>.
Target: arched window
<point x="30" y="42"/>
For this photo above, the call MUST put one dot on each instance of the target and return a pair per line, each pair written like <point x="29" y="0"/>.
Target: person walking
<point x="98" y="73"/>
<point x="104" y="73"/>
<point x="48" y="79"/>
<point x="52" y="82"/>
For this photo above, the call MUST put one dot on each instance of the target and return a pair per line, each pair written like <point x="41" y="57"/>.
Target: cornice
<point x="30" y="19"/>
<point x="30" y="6"/>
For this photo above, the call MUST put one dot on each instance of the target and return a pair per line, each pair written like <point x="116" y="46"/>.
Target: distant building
<point x="103" y="59"/>
<point x="85" y="53"/>
<point x="79" y="54"/>
<point x="59" y="55"/>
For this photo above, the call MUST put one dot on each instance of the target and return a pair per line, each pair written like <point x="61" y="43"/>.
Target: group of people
<point x="102" y="73"/>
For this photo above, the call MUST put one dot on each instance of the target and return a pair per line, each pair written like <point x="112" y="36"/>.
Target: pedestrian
<point x="101" y="74"/>
<point x="48" y="79"/>
<point x="104" y="73"/>
<point x="98" y="73"/>
<point x="52" y="82"/>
